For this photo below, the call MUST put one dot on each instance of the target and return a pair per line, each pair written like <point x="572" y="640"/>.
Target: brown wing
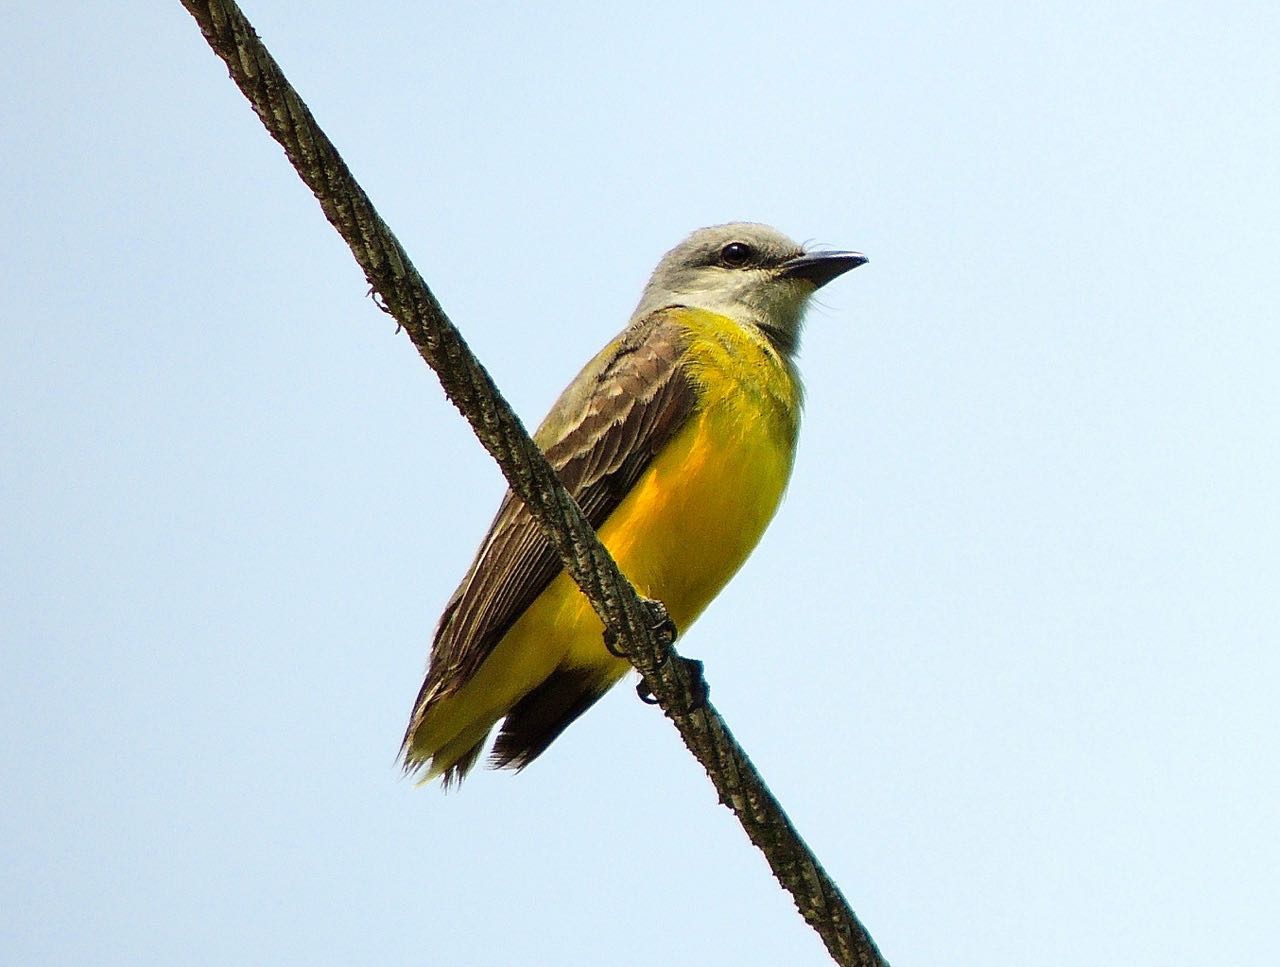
<point x="603" y="431"/>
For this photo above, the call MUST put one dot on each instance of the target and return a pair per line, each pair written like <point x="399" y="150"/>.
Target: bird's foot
<point x="697" y="685"/>
<point x="659" y="621"/>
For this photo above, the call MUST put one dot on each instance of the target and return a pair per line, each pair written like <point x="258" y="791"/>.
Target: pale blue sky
<point x="1008" y="653"/>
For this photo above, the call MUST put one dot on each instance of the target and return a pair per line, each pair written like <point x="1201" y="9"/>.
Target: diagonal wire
<point x="632" y="620"/>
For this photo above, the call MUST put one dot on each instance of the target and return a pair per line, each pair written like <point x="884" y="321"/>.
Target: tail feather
<point x="537" y="719"/>
<point x="452" y="758"/>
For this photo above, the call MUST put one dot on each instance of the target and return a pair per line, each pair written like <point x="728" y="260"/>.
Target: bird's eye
<point x="736" y="254"/>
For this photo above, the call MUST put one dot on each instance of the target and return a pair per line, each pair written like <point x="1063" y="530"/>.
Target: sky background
<point x="1008" y="653"/>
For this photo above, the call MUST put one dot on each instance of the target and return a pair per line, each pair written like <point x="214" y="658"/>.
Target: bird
<point x="677" y="440"/>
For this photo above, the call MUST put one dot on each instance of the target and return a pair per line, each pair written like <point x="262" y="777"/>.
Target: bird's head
<point x="751" y="273"/>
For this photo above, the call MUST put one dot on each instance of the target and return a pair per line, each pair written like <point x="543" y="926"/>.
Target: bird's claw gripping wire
<point x="697" y="685"/>
<point x="659" y="621"/>
<point x="665" y="630"/>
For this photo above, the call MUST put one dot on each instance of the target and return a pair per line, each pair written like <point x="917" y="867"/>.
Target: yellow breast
<point x="701" y="507"/>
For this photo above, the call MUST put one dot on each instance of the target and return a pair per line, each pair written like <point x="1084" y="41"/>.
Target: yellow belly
<point x="694" y="516"/>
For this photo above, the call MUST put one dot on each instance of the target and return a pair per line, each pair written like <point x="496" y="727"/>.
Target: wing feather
<point x="602" y="433"/>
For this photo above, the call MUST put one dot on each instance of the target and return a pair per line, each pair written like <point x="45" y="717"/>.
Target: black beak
<point x="821" y="267"/>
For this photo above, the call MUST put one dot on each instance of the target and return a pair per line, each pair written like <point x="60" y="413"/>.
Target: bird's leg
<point x="611" y="643"/>
<point x="659" y="621"/>
<point x="697" y="685"/>
<point x="665" y="630"/>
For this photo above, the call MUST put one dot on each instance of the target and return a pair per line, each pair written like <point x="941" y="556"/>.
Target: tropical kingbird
<point x="677" y="441"/>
